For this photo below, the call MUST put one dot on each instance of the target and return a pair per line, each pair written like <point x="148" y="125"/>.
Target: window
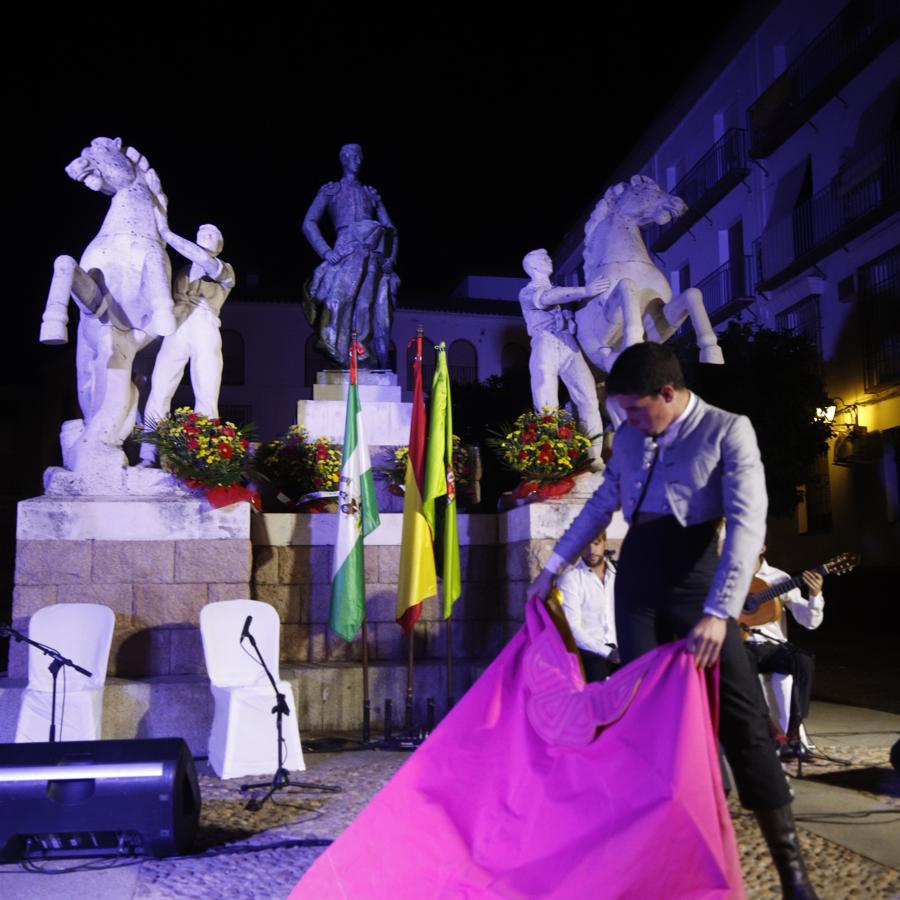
<point x="314" y="360"/>
<point x="802" y="320"/>
<point x="462" y="361"/>
<point x="879" y="292"/>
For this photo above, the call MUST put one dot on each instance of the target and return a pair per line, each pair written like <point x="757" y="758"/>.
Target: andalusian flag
<point x="417" y="578"/>
<point x="439" y="482"/>
<point x="357" y="517"/>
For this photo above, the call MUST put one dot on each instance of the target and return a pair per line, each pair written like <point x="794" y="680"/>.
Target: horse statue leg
<point x="691" y="302"/>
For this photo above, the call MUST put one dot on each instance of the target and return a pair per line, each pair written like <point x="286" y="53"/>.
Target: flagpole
<point x="410" y="656"/>
<point x="354" y="379"/>
<point x="449" y="663"/>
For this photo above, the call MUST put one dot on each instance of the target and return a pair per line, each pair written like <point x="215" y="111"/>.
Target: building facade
<point x="786" y="148"/>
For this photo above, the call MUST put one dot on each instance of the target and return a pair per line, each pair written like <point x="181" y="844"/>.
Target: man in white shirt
<point x="589" y="606"/>
<point x="768" y="647"/>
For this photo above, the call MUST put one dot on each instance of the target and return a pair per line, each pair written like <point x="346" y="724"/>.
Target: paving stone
<point x="53" y="562"/>
<point x="265" y="565"/>
<point x="118" y="597"/>
<point x="240" y="591"/>
<point x="169" y="604"/>
<point x="227" y="560"/>
<point x="140" y="653"/>
<point x="186" y="651"/>
<point x="133" y="562"/>
<point x="29" y="598"/>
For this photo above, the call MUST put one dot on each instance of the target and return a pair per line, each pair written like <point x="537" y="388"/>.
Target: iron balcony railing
<point x="728" y="289"/>
<point x="722" y="167"/>
<point x="856" y="199"/>
<point x="861" y="30"/>
<point x="880" y="313"/>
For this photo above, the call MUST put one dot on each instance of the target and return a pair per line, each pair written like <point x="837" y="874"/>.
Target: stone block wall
<point x="292" y="558"/>
<point x="155" y="563"/>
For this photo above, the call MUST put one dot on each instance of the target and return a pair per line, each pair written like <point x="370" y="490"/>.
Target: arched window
<point x="513" y="359"/>
<point x="314" y="360"/>
<point x="462" y="361"/>
<point x="427" y="363"/>
<point x="232" y="357"/>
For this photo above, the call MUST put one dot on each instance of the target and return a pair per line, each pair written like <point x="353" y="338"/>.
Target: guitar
<point x="764" y="604"/>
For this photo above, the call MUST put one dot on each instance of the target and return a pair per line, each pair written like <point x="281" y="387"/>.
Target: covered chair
<point x="242" y="740"/>
<point x="83" y="633"/>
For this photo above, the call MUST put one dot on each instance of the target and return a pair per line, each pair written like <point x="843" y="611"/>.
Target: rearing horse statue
<point x="640" y="299"/>
<point x="122" y="286"/>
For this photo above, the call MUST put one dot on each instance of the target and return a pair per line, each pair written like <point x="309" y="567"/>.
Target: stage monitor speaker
<point x="97" y="798"/>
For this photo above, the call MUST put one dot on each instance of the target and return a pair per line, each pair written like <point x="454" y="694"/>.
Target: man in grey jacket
<point x="678" y="467"/>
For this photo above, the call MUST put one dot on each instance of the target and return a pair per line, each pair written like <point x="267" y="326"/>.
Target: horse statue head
<point x="107" y="168"/>
<point x="640" y="200"/>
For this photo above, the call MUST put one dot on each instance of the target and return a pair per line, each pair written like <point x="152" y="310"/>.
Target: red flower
<point x="573" y="454"/>
<point x="245" y="443"/>
<point x="546" y="448"/>
<point x="321" y="452"/>
<point x="523" y="454"/>
<point x="225" y="451"/>
<point x="547" y="420"/>
<point x="228" y="430"/>
<point x="565" y="432"/>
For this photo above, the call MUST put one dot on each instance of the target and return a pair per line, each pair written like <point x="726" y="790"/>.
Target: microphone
<point x="246" y="632"/>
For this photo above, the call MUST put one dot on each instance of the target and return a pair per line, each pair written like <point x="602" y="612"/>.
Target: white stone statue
<point x="555" y="354"/>
<point x="200" y="291"/>
<point x="123" y="290"/>
<point x="640" y="300"/>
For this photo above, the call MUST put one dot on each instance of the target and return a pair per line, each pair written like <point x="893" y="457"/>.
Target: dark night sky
<point x="484" y="140"/>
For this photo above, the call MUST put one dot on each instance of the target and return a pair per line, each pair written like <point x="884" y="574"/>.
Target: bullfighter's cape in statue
<point x="537" y="785"/>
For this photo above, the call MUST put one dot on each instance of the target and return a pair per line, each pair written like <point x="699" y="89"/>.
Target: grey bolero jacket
<point x="712" y="469"/>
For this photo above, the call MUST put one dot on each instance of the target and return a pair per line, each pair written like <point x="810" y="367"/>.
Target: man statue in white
<point x="199" y="291"/>
<point x="555" y="353"/>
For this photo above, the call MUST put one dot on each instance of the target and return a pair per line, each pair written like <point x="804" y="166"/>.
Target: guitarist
<point x="770" y="652"/>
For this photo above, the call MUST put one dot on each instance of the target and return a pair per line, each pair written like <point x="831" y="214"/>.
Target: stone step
<point x="329" y="698"/>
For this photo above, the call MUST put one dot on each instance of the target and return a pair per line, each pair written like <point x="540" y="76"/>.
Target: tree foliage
<point x="775" y="379"/>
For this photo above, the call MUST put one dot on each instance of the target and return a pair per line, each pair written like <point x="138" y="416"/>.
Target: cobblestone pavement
<point x="262" y="855"/>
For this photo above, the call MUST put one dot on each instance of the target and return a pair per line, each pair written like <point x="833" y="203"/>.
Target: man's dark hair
<point x="644" y="369"/>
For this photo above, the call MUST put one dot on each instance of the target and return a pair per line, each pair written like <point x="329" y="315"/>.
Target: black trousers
<point x="786" y="659"/>
<point x="663" y="577"/>
<point x="596" y="667"/>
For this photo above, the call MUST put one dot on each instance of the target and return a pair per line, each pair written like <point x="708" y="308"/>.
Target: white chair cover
<point x="243" y="737"/>
<point x="83" y="633"/>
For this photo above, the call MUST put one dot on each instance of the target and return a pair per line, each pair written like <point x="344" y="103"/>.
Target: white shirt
<point x="808" y="612"/>
<point x="589" y="605"/>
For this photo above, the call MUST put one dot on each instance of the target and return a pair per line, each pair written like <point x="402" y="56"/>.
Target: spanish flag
<point x="417" y="579"/>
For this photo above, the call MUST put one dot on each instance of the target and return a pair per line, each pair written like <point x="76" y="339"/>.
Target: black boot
<point x="780" y="832"/>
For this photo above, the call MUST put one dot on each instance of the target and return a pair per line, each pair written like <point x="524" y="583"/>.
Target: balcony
<point x="856" y="199"/>
<point x="722" y="167"/>
<point x="728" y="289"/>
<point x="862" y="30"/>
<point x="879" y="283"/>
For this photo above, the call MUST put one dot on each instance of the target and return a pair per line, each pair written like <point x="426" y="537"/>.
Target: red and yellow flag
<point x="417" y="579"/>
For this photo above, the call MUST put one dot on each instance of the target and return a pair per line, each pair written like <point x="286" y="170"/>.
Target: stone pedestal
<point x="386" y="418"/>
<point x="155" y="562"/>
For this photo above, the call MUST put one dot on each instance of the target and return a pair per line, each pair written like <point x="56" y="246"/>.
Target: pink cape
<point x="516" y="794"/>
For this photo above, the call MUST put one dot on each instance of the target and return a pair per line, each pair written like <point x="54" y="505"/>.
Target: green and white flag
<point x="357" y="517"/>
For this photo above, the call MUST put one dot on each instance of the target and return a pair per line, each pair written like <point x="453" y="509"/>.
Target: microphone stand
<point x="57" y="663"/>
<point x="281" y="778"/>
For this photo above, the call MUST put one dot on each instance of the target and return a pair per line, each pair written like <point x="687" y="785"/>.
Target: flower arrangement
<point x="543" y="447"/>
<point x="204" y="453"/>
<point x="299" y="466"/>
<point x="396" y="473"/>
